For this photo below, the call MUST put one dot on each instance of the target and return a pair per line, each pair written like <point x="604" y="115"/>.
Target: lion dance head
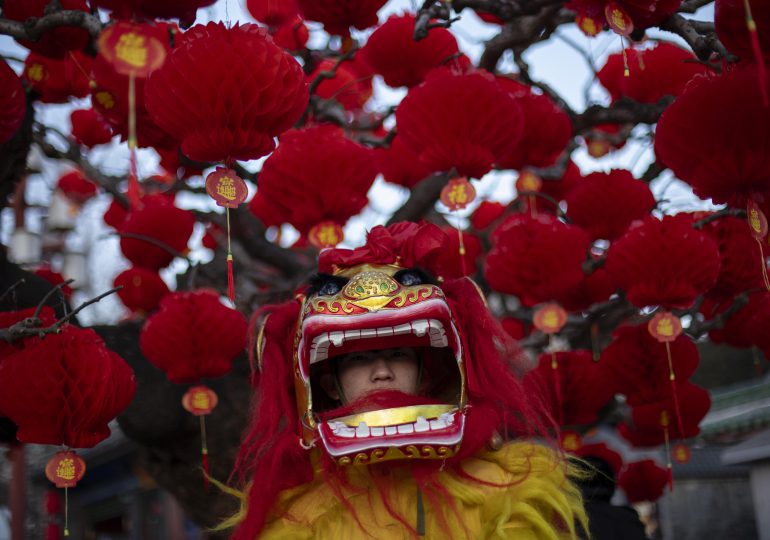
<point x="390" y="293"/>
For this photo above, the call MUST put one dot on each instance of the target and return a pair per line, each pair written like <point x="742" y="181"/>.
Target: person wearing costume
<point x="387" y="408"/>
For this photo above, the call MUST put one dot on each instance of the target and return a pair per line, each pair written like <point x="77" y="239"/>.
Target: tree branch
<point x="33" y="28"/>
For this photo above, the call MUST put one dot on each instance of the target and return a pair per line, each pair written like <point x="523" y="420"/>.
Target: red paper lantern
<point x="142" y="289"/>
<point x="54" y="278"/>
<point x="639" y="363"/>
<point x="663" y="70"/>
<point x="536" y="258"/>
<point x="486" y="213"/>
<point x="315" y="175"/>
<point x="597" y="286"/>
<point x="664" y="262"/>
<point x="161" y="222"/>
<point x="558" y="188"/>
<point x="76" y="187"/>
<point x="338" y="16"/>
<point x="89" y="128"/>
<point x="605" y="204"/>
<point x="603" y="452"/>
<point x="546" y="133"/>
<point x="392" y="52"/>
<point x="291" y="36"/>
<point x="9" y="318"/>
<point x="485" y="124"/>
<point x="642" y="13"/>
<point x="603" y="139"/>
<point x="740" y="267"/>
<point x="725" y="154"/>
<point x="57" y="79"/>
<point x="584" y="386"/>
<point x="246" y="90"/>
<point x="651" y="423"/>
<point x="13" y="102"/>
<point x="151" y="9"/>
<point x="273" y="12"/>
<point x="643" y="481"/>
<point x="730" y="22"/>
<point x="345" y="86"/>
<point x="747" y="326"/>
<point x="56" y="42"/>
<point x="193" y="336"/>
<point x="63" y="389"/>
<point x="400" y="165"/>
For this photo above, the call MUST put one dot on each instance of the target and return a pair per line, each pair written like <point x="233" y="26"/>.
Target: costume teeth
<point x="363" y="431"/>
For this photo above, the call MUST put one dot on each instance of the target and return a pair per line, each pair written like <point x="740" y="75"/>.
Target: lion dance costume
<point x="438" y="466"/>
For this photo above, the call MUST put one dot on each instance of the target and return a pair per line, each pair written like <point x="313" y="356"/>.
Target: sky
<point x="556" y="62"/>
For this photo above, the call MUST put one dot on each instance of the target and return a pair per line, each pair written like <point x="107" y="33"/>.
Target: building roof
<point x="756" y="448"/>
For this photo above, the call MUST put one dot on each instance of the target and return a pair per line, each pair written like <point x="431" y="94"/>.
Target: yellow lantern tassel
<point x="754" y="37"/>
<point x="557" y="384"/>
<point x="134" y="194"/>
<point x="204" y="452"/>
<point x="462" y="248"/>
<point x="626" y="71"/>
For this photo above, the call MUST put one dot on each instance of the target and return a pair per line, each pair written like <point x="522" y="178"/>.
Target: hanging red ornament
<point x="272" y="12"/>
<point x="590" y="26"/>
<point x="550" y="318"/>
<point x="54" y="42"/>
<point x="604" y="453"/>
<point x="486" y="213"/>
<point x="619" y="21"/>
<point x="392" y="52"/>
<point x="89" y="128"/>
<point x="538" y="259"/>
<point x="747" y="326"/>
<point x="457" y="194"/>
<point x="315" y="175"/>
<point x="664" y="262"/>
<point x="723" y="155"/>
<point x="399" y="164"/>
<point x="13" y="102"/>
<point x="58" y="79"/>
<point x="65" y="469"/>
<point x="485" y="125"/>
<point x="76" y="187"/>
<point x="570" y="441"/>
<point x="547" y="129"/>
<point x="263" y="86"/>
<point x="643" y="481"/>
<point x="454" y="261"/>
<point x="185" y="10"/>
<point x="338" y="16"/>
<point x="292" y="36"/>
<point x="344" y="86"/>
<point x="730" y="20"/>
<point x="624" y="15"/>
<point x="199" y="400"/>
<point x="142" y="289"/>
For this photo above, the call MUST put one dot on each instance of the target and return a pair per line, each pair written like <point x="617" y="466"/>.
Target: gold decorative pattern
<point x="394" y="452"/>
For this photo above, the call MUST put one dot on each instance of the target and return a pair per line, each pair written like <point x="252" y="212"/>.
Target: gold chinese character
<point x="201" y="401"/>
<point x="550" y="319"/>
<point x="36" y="72"/>
<point x="132" y="50"/>
<point x="664" y="418"/>
<point x="665" y="328"/>
<point x="457" y="195"/>
<point x="105" y="99"/>
<point x="588" y="26"/>
<point x="618" y="19"/>
<point x="66" y="469"/>
<point x="754" y="220"/>
<point x="327" y="236"/>
<point x="226" y="188"/>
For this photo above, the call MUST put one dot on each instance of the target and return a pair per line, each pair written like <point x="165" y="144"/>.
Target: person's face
<point x="360" y="373"/>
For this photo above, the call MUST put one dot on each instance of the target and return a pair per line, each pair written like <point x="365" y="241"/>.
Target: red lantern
<point x="546" y="133"/>
<point x="193" y="336"/>
<point x="150" y="9"/>
<point x="634" y="13"/>
<point x="747" y="326"/>
<point x="272" y="12"/>
<point x="13" y="102"/>
<point x="603" y="452"/>
<point x="740" y="267"/>
<point x="723" y="155"/>
<point x="486" y="213"/>
<point x="576" y="391"/>
<point x="76" y="187"/>
<point x="64" y="388"/>
<point x="55" y="80"/>
<point x="664" y="262"/>
<point x="643" y="481"/>
<point x="400" y="165"/>
<point x="54" y="278"/>
<point x="537" y="259"/>
<point x="345" y="86"/>
<point x="605" y="204"/>
<point x="392" y="52"/>
<point x="55" y="42"/>
<point x="262" y="86"/>
<point x="486" y="122"/>
<point x="663" y="70"/>
<point x="155" y="233"/>
<point x="315" y="175"/>
<point x="595" y="287"/>
<point x="291" y="36"/>
<point x="730" y="22"/>
<point x="338" y="16"/>
<point x="142" y="289"/>
<point x="89" y="128"/>
<point x="9" y="318"/>
<point x="450" y="263"/>
<point x="639" y="363"/>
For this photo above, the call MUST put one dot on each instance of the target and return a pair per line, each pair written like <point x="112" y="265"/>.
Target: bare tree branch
<point x="33" y="28"/>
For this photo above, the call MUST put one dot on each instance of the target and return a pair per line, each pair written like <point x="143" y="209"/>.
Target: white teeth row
<point x="420" y="426"/>
<point x="319" y="349"/>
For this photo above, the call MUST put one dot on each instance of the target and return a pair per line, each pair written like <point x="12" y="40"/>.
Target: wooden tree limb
<point x="33" y="28"/>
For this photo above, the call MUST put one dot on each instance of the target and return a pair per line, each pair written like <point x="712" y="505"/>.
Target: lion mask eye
<point x="410" y="277"/>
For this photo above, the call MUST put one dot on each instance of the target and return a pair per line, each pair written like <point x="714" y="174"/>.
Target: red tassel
<point x="752" y="27"/>
<point x="134" y="192"/>
<point x="230" y="279"/>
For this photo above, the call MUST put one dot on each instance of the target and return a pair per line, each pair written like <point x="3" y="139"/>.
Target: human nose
<point x="381" y="370"/>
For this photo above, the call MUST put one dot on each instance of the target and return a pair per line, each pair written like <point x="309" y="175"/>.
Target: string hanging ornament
<point x="456" y="195"/>
<point x="550" y="318"/>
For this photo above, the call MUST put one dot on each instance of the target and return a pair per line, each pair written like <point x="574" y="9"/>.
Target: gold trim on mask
<point x="397" y="415"/>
